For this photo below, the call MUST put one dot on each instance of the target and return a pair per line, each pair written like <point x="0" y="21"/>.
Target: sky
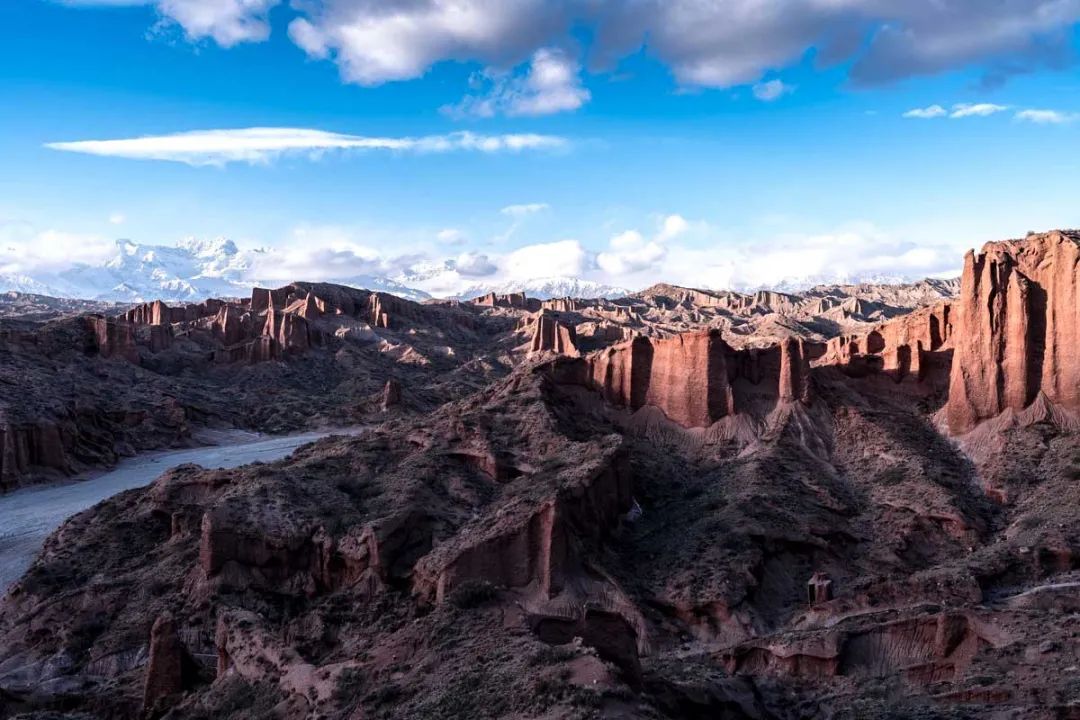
<point x="723" y="143"/>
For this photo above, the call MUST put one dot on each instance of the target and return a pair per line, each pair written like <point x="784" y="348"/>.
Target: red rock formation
<point x="532" y="544"/>
<point x="287" y="332"/>
<point x="263" y="299"/>
<point x="794" y="370"/>
<point x="158" y="313"/>
<point x="26" y="446"/>
<point x="696" y="378"/>
<point x="113" y="338"/>
<point x="154" y="313"/>
<point x="229" y="326"/>
<point x="550" y="335"/>
<point x="561" y="304"/>
<point x="1017" y="329"/>
<point x="906" y="346"/>
<point x="310" y="309"/>
<point x="160" y="337"/>
<point x="512" y="300"/>
<point x="378" y="306"/>
<point x="165" y="670"/>
<point x="391" y="396"/>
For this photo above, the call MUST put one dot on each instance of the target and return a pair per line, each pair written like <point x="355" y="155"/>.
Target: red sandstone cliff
<point x="1017" y="328"/>
<point x="551" y="335"/>
<point x="916" y="345"/>
<point x="696" y="378"/>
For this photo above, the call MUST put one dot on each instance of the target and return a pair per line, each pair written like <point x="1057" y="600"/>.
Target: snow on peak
<point x="547" y="288"/>
<point x="217" y="248"/>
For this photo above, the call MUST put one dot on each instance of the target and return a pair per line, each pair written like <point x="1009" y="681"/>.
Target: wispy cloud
<point x="1047" y="117"/>
<point x="772" y="90"/>
<point x="263" y="145"/>
<point x="551" y="85"/>
<point x="927" y="113"/>
<point x="525" y="209"/>
<point x="958" y="111"/>
<point x="964" y="110"/>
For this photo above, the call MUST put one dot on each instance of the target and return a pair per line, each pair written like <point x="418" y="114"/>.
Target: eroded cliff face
<point x="1017" y="328"/>
<point x="917" y="346"/>
<point x="550" y="335"/>
<point x="696" y="378"/>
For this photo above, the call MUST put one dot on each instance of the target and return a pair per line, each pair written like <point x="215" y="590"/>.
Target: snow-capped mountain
<point x="196" y="269"/>
<point x="24" y="284"/>
<point x="191" y="270"/>
<point x="801" y="284"/>
<point x="547" y="288"/>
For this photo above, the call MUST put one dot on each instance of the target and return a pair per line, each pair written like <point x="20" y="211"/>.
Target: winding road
<point x="29" y="515"/>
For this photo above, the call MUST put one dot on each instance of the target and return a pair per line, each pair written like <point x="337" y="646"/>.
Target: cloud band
<point x="263" y="145"/>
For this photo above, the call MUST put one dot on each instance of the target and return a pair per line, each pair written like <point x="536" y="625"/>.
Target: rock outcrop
<point x="696" y="378"/>
<point x="517" y="301"/>
<point x="25" y="447"/>
<point x="158" y="313"/>
<point x="391" y="395"/>
<point x="550" y="335"/>
<point x="1017" y="328"/>
<point x="917" y="346"/>
<point x="165" y="670"/>
<point x="532" y="546"/>
<point x="113" y="338"/>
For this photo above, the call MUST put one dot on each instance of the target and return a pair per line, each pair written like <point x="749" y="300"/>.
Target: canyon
<point x="850" y="502"/>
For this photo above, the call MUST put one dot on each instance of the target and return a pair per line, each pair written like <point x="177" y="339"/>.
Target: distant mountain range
<point x="196" y="269"/>
<point x="189" y="271"/>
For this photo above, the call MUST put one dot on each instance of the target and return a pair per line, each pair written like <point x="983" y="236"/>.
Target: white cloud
<point x="678" y="251"/>
<point x="1047" y="117"/>
<point x="708" y="44"/>
<point x="450" y="236"/>
<point x="958" y="111"/>
<point x="525" y="209"/>
<point x="474" y="265"/>
<point x="772" y="90"/>
<point x="262" y="145"/>
<point x="721" y="44"/>
<point x="551" y="85"/>
<point x="927" y="113"/>
<point x="964" y="110"/>
<point x="672" y="227"/>
<point x="377" y="41"/>
<point x="117" y="219"/>
<point x="850" y="254"/>
<point x="315" y="253"/>
<point x="226" y="22"/>
<point x="555" y="259"/>
<point x="24" y="250"/>
<point x="629" y="252"/>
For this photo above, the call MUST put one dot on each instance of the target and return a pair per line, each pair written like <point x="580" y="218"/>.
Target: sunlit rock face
<point x="1017" y="328"/>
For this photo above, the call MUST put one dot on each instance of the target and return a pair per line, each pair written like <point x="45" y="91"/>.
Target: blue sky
<point x="738" y="142"/>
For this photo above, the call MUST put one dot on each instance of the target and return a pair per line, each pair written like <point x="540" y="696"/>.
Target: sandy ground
<point x="27" y="516"/>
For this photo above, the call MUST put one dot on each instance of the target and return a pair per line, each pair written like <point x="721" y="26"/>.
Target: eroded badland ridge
<point x="852" y="502"/>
